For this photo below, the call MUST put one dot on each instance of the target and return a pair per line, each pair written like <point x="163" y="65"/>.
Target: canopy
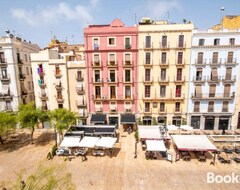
<point x="88" y="142"/>
<point x="172" y="127"/>
<point x="104" y="130"/>
<point x="156" y="145"/>
<point x="186" y="127"/>
<point x="70" y="142"/>
<point x="128" y="119"/>
<point x="149" y="132"/>
<point x="106" y="142"/>
<point x="193" y="143"/>
<point x="98" y="118"/>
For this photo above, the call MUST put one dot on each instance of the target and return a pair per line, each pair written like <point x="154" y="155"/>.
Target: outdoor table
<point x="186" y="158"/>
<point x="224" y="157"/>
<point x="98" y="152"/>
<point x="202" y="158"/>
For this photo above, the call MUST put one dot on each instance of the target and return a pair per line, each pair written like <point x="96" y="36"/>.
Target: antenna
<point x="221" y="16"/>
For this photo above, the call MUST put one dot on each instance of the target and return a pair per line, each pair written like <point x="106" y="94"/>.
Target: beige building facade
<point x="164" y="58"/>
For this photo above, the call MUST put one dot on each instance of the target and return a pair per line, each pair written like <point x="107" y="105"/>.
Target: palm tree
<point x="61" y="119"/>
<point x="7" y="122"/>
<point x="28" y="117"/>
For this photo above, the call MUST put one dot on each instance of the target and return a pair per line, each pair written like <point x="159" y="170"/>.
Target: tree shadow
<point x="44" y="138"/>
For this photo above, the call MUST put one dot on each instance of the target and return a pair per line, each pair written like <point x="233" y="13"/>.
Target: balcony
<point x="147" y="80"/>
<point x="58" y="86"/>
<point x="230" y="62"/>
<point x="148" y="47"/>
<point x="112" y="80"/>
<point x="163" y="80"/>
<point x="164" y="46"/>
<point x="79" y="78"/>
<point x="41" y="83"/>
<point x="179" y="96"/>
<point x="147" y="110"/>
<point x="22" y="76"/>
<point x="196" y="109"/>
<point x="164" y="64"/>
<point x="5" y="78"/>
<point x="180" y="64"/>
<point x="112" y="64"/>
<point x="3" y="62"/>
<point x="97" y="81"/>
<point x="43" y="96"/>
<point x="214" y="79"/>
<point x="199" y="79"/>
<point x="229" y="79"/>
<point x="60" y="99"/>
<point x="95" y="47"/>
<point x="213" y="96"/>
<point x="128" y="46"/>
<point x="147" y="97"/>
<point x="81" y="103"/>
<point x="80" y="90"/>
<point x="127" y="81"/>
<point x="57" y="73"/>
<point x="177" y="110"/>
<point x="179" y="79"/>
<point x="148" y="64"/>
<point x="97" y="97"/>
<point x="180" y="45"/>
<point x="113" y="109"/>
<point x="19" y="61"/>
<point x="127" y="108"/>
<point x="96" y="63"/>
<point x="98" y="108"/>
<point x="200" y="62"/>
<point x="162" y="110"/>
<point x="112" y="97"/>
<point x="127" y="64"/>
<point x="215" y="62"/>
<point x="24" y="92"/>
<point x="6" y="96"/>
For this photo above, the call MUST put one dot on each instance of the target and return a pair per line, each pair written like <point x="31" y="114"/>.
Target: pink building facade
<point x="111" y="54"/>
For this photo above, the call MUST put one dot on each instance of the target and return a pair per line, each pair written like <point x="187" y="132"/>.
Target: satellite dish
<point x="7" y="31"/>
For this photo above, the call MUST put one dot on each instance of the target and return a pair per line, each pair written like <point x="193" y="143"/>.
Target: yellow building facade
<point x="164" y="58"/>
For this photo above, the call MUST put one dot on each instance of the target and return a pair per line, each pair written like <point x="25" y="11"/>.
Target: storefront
<point x="128" y="120"/>
<point x="177" y="120"/>
<point x="98" y="119"/>
<point x="147" y="120"/>
<point x="162" y="120"/>
<point x="195" y="122"/>
<point x="209" y="123"/>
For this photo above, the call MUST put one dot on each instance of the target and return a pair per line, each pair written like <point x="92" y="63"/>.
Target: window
<point x="97" y="76"/>
<point x="57" y="70"/>
<point x="98" y="92"/>
<point x="127" y="92"/>
<point x="225" y="106"/>
<point x="199" y="74"/>
<point x="2" y="58"/>
<point x="148" y="58"/>
<point x="59" y="95"/>
<point x="148" y="42"/>
<point x="215" y="57"/>
<point x="127" y="75"/>
<point x="162" y="106"/>
<point x="214" y="74"/>
<point x="179" y="74"/>
<point x="112" y="76"/>
<point x="227" y="89"/>
<point x="178" y="90"/>
<point x="112" y="59"/>
<point x="164" y="58"/>
<point x="163" y="74"/>
<point x="79" y="74"/>
<point x="127" y="58"/>
<point x="196" y="107"/>
<point x="147" y="74"/>
<point x="163" y="91"/>
<point x="60" y="106"/>
<point x="147" y="106"/>
<point x="29" y="85"/>
<point x="147" y="91"/>
<point x="200" y="58"/>
<point x="164" y="41"/>
<point x="232" y="41"/>
<point x="96" y="59"/>
<point x="111" y="41"/>
<point x="95" y="43"/>
<point x="112" y="92"/>
<point x="180" y="40"/>
<point x="211" y="106"/>
<point x="212" y="90"/>
<point x="26" y="57"/>
<point x="201" y="42"/>
<point x="230" y="57"/>
<point x="127" y="43"/>
<point x="98" y="106"/>
<point x="27" y="70"/>
<point x="4" y="73"/>
<point x="216" y="42"/>
<point x="228" y="75"/>
<point x="180" y="57"/>
<point x="177" y="107"/>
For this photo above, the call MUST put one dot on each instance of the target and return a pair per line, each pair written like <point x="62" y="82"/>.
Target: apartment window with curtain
<point x="212" y="90"/>
<point x="96" y="59"/>
<point x="163" y="91"/>
<point x="111" y="41"/>
<point x="127" y="92"/>
<point x="177" y="106"/>
<point x="230" y="57"/>
<point x="95" y="44"/>
<point x="148" y="42"/>
<point x="79" y="74"/>
<point x="196" y="107"/>
<point x="98" y="91"/>
<point x="148" y="58"/>
<point x="147" y="106"/>
<point x="228" y="75"/>
<point x="215" y="57"/>
<point x="112" y="76"/>
<point x="57" y="70"/>
<point x="216" y="42"/>
<point x="201" y="42"/>
<point x="147" y="74"/>
<point x="164" y="41"/>
<point x="200" y="58"/>
<point x="97" y="76"/>
<point x="180" y="40"/>
<point x="112" y="59"/>
<point x="227" y="89"/>
<point x="59" y="95"/>
<point x="127" y="75"/>
<point x="178" y="90"/>
<point x="214" y="74"/>
<point x="179" y="74"/>
<point x="147" y="91"/>
<point x="225" y="106"/>
<point x="211" y="106"/>
<point x="199" y="74"/>
<point x="162" y="106"/>
<point x="127" y="58"/>
<point x="180" y="58"/>
<point x="127" y="43"/>
<point x="163" y="74"/>
<point x="112" y="92"/>
<point x="232" y="41"/>
<point x="164" y="57"/>
<point x="198" y="91"/>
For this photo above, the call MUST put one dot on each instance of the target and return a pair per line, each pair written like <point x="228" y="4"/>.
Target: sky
<point x="39" y="20"/>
